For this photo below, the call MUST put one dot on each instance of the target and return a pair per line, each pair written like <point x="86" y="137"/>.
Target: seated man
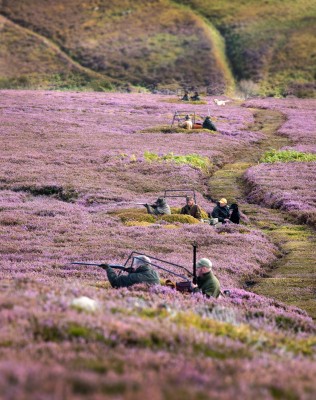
<point x="143" y="273"/>
<point x="185" y="96"/>
<point x="196" y="96"/>
<point x="191" y="209"/>
<point x="234" y="213"/>
<point x="221" y="211"/>
<point x="207" y="282"/>
<point x="187" y="124"/>
<point x="208" y="124"/>
<point x="160" y="207"/>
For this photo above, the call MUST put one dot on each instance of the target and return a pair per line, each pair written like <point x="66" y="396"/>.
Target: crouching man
<point x="142" y="273"/>
<point x="207" y="282"/>
<point x="160" y="207"/>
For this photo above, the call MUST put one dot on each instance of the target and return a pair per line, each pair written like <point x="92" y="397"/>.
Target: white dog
<point x="220" y="102"/>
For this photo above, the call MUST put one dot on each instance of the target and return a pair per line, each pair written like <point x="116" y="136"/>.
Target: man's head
<point x="160" y="201"/>
<point x="187" y="117"/>
<point x="190" y="201"/>
<point x="223" y="202"/>
<point x="141" y="261"/>
<point x="203" y="266"/>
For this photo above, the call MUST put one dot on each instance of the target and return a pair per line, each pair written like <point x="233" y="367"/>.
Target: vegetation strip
<point x="281" y="230"/>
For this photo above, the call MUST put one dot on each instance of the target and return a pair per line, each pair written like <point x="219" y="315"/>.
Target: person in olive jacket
<point x="143" y="273"/>
<point x="191" y="208"/>
<point x="207" y="282"/>
<point x="221" y="211"/>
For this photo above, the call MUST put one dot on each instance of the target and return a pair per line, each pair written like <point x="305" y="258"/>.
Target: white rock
<point x="85" y="303"/>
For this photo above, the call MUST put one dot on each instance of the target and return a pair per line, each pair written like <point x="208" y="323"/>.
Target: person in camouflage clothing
<point x="143" y="273"/>
<point x="207" y="282"/>
<point x="160" y="207"/>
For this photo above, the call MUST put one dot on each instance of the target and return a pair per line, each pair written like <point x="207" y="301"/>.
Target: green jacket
<point x="194" y="211"/>
<point x="209" y="284"/>
<point x="143" y="274"/>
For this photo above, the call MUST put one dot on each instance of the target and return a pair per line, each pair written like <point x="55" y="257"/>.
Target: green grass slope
<point x="272" y="42"/>
<point x="146" y="43"/>
<point x="28" y="60"/>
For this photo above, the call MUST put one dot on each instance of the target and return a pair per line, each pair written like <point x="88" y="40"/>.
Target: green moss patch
<point x="176" y="129"/>
<point x="183" y="219"/>
<point x="135" y="217"/>
<point x="273" y="156"/>
<point x="194" y="160"/>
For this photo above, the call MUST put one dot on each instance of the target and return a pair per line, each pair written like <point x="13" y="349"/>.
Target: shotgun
<point x="115" y="266"/>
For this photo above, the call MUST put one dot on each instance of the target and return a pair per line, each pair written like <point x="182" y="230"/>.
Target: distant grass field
<point x="143" y="43"/>
<point x="168" y="44"/>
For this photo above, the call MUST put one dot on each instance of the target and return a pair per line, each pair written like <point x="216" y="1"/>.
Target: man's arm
<point x="184" y="210"/>
<point x="197" y="212"/>
<point x="215" y="212"/>
<point x="118" y="281"/>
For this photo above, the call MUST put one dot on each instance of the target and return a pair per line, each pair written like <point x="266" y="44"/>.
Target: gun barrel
<point x="85" y="263"/>
<point x="115" y="266"/>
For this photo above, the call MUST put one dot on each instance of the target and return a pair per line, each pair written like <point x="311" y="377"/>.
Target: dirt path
<point x="292" y="278"/>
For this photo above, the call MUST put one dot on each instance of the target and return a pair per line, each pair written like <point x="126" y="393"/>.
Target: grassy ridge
<point x="140" y="42"/>
<point x="29" y="60"/>
<point x="271" y="42"/>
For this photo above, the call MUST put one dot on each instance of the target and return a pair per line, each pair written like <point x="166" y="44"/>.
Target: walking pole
<point x="194" y="261"/>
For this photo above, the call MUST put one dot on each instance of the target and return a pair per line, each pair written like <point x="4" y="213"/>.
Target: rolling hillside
<point x="163" y="43"/>
<point x="27" y="59"/>
<point x="272" y="42"/>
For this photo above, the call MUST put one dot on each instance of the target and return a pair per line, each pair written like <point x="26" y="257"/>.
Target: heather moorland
<point x="73" y="167"/>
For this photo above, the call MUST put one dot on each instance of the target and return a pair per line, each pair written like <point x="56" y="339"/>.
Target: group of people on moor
<point x="142" y="270"/>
